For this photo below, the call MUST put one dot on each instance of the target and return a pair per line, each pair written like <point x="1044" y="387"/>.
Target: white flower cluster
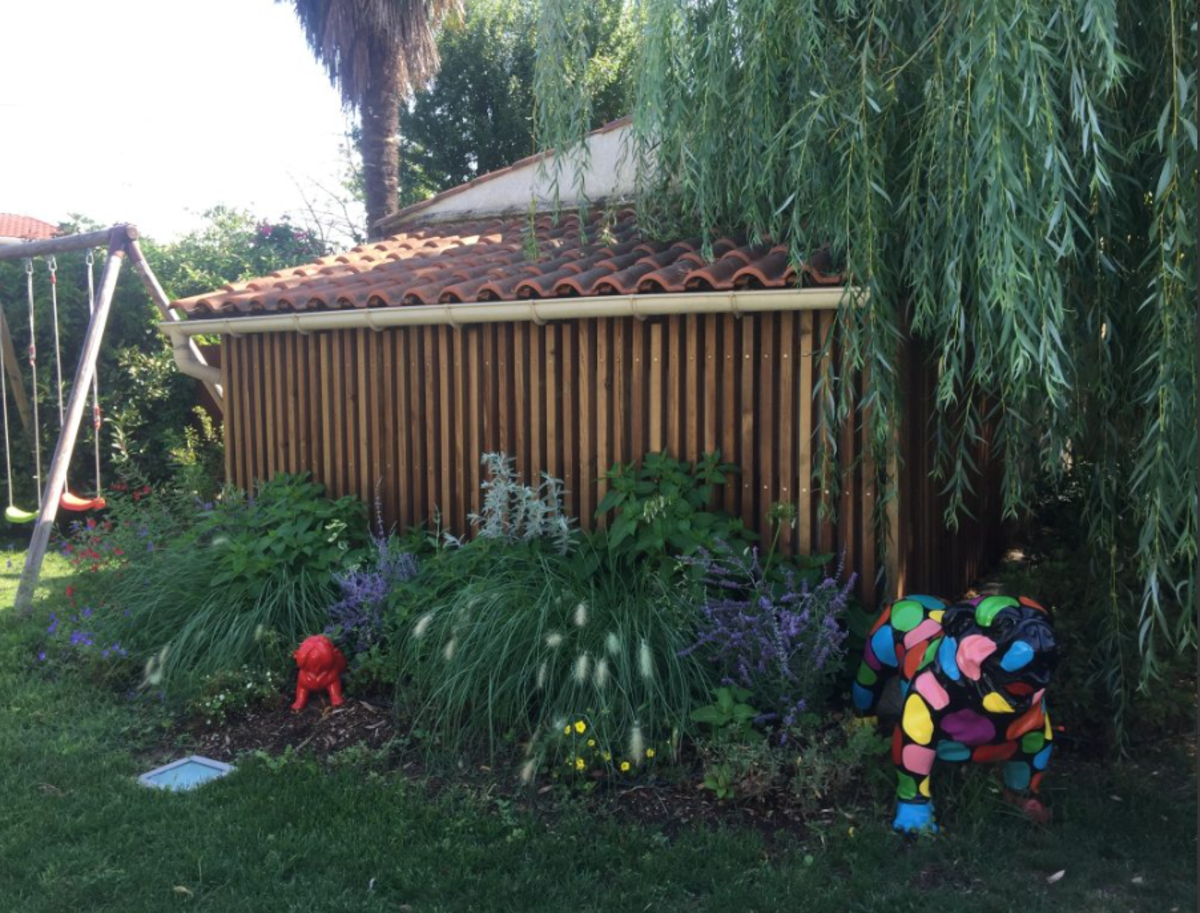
<point x="514" y="512"/>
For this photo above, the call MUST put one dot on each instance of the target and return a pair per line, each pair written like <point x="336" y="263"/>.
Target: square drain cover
<point x="187" y="773"/>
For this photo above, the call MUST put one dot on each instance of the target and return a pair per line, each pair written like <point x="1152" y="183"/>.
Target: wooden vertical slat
<point x="570" y="413"/>
<point x="280" y="390"/>
<point x="638" y="390"/>
<point x="617" y="395"/>
<point x="475" y="413"/>
<point x="459" y="374"/>
<point x="520" y="370"/>
<point x="786" y="421"/>
<point x="266" y="342"/>
<point x="603" y="404"/>
<point x="535" y="423"/>
<point x="587" y="386"/>
<point x="364" y="394"/>
<point x="260" y="471"/>
<point x="553" y="393"/>
<point x="388" y="426"/>
<point x="711" y="370"/>
<point x="430" y="430"/>
<point x="691" y="388"/>
<point x="674" y="405"/>
<point x="656" y="371"/>
<point x="443" y="372"/>
<point x="504" y="389"/>
<point x="291" y="394"/>
<point x="747" y="455"/>
<point x="418" y="428"/>
<point x="823" y="333"/>
<point x="805" y="420"/>
<point x="730" y="408"/>
<point x="228" y="419"/>
<point x="767" y="420"/>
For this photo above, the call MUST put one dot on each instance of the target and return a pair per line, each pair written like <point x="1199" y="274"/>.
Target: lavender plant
<point x="357" y="618"/>
<point x="515" y="512"/>
<point x="779" y="638"/>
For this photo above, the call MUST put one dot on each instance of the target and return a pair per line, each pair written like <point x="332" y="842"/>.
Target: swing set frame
<point x="121" y="242"/>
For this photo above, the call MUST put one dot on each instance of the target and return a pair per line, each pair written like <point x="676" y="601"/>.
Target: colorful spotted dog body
<point x="972" y="678"/>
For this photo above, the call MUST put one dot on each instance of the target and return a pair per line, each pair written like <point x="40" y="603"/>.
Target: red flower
<point x="70" y="592"/>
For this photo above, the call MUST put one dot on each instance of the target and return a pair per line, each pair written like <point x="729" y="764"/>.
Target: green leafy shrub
<point x="810" y="772"/>
<point x="236" y="581"/>
<point x="225" y="694"/>
<point x="664" y="508"/>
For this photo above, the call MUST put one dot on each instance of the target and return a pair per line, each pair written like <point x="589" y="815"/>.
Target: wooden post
<point x="163" y="303"/>
<point x="66" y="443"/>
<point x="22" y="250"/>
<point x="13" y="368"/>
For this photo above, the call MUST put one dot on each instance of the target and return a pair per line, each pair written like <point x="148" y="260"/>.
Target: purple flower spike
<point x="779" y="639"/>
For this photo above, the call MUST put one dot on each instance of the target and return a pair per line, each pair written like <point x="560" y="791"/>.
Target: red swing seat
<point x="70" y="501"/>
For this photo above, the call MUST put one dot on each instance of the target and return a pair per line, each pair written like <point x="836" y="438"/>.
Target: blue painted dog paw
<point x="914" y="818"/>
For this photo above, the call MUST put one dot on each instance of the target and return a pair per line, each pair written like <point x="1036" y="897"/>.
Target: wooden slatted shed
<point x="571" y="344"/>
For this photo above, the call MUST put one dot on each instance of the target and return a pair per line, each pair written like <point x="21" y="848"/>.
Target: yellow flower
<point x="591" y="743"/>
<point x="567" y="729"/>
<point x="649" y="752"/>
<point x="580" y="764"/>
<point x="624" y="766"/>
<point x="607" y="755"/>
<point x="580" y="727"/>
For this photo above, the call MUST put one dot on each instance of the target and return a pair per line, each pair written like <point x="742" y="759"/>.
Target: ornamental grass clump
<point x="777" y="637"/>
<point x="525" y="643"/>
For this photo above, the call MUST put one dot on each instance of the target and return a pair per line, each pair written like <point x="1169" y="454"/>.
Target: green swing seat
<point x="16" y="515"/>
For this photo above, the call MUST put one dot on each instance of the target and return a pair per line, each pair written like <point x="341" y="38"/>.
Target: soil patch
<point x="319" y="730"/>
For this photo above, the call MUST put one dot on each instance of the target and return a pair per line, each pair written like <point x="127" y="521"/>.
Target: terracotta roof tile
<point x="508" y="259"/>
<point x="26" y="228"/>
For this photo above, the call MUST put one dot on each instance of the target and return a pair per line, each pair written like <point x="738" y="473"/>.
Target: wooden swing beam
<point x="121" y="241"/>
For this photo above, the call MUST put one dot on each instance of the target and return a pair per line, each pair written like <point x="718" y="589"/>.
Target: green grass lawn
<point x="77" y="833"/>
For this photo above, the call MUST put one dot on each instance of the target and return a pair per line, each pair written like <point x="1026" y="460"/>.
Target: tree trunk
<point x="379" y="146"/>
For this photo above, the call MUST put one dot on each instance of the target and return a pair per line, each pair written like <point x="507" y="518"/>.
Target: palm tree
<point x="376" y="51"/>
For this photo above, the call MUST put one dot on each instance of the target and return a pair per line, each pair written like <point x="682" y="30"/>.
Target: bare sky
<point x="151" y="111"/>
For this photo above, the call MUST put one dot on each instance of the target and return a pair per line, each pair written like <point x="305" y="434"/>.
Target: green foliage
<point x="514" y="643"/>
<point x="199" y="589"/>
<point x="729" y="715"/>
<point x="227" y="693"/>
<point x="476" y="116"/>
<point x="818" y="770"/>
<point x="146" y="403"/>
<point x="1011" y="182"/>
<point x="288" y="526"/>
<point x="663" y="509"/>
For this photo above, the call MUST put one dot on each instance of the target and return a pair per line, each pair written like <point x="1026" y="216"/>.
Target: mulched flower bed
<point x="321" y="731"/>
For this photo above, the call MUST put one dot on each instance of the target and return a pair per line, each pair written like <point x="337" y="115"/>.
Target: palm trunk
<point x="379" y="146"/>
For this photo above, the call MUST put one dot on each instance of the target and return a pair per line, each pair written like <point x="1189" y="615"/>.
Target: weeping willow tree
<point x="1011" y="181"/>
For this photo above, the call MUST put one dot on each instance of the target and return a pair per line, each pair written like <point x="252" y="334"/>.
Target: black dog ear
<point x="959" y="620"/>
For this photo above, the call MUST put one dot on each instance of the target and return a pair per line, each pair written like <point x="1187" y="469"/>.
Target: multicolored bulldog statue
<point x="972" y="680"/>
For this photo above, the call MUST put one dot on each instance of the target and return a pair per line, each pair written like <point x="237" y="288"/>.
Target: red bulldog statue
<point x="320" y="665"/>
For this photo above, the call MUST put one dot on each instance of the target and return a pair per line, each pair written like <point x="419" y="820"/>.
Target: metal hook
<point x="29" y="266"/>
<point x="52" y="264"/>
